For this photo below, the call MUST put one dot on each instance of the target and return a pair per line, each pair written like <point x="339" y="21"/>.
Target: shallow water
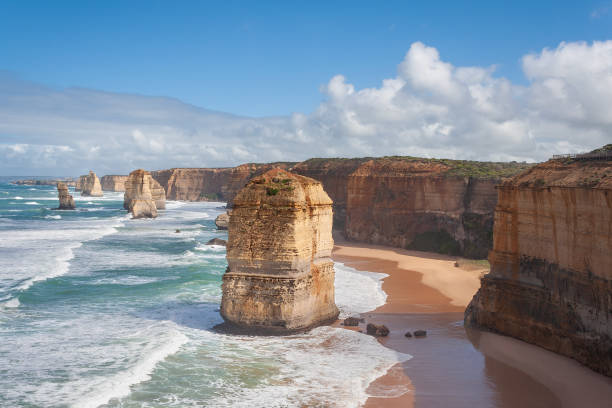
<point x="97" y="309"/>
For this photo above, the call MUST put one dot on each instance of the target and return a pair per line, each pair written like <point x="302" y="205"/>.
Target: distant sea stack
<point x="222" y="221"/>
<point x="113" y="183"/>
<point x="280" y="277"/>
<point x="143" y="195"/>
<point x="551" y="265"/>
<point x="66" y="202"/>
<point x="90" y="185"/>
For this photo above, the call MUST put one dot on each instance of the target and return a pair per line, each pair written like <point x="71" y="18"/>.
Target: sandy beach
<point x="452" y="366"/>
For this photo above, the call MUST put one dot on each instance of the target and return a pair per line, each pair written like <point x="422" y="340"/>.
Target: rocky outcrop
<point x="90" y="185"/>
<point x="66" y="202"/>
<point x="551" y="265"/>
<point x="222" y="221"/>
<point x="143" y="195"/>
<point x="280" y="277"/>
<point x="113" y="183"/>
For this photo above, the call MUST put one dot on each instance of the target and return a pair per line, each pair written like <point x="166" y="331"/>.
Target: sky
<point x="113" y="86"/>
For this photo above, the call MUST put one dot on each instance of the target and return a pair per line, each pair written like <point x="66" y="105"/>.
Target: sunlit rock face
<point x="66" y="202"/>
<point x="143" y="195"/>
<point x="113" y="183"/>
<point x="90" y="185"/>
<point x="280" y="277"/>
<point x="551" y="265"/>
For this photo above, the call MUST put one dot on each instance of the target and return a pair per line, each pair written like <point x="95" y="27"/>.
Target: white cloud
<point x="431" y="108"/>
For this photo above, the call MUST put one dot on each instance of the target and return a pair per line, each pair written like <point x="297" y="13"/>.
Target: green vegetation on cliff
<point x="455" y="168"/>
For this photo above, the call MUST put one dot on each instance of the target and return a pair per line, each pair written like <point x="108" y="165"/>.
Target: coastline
<point x="452" y="366"/>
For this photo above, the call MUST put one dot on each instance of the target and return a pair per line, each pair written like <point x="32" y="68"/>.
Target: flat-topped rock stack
<point x="143" y="195"/>
<point x="551" y="265"/>
<point x="90" y="185"/>
<point x="280" y="277"/>
<point x="66" y="202"/>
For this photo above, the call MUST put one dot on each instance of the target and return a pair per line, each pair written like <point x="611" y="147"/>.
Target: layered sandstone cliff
<point x="202" y="184"/>
<point x="66" y="202"/>
<point x="90" y="185"/>
<point x="113" y="183"/>
<point x="433" y="205"/>
<point x="427" y="204"/>
<point x="143" y="195"/>
<point x="280" y="276"/>
<point x="551" y="265"/>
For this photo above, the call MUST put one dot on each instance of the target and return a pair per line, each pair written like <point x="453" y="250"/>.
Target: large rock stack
<point x="66" y="202"/>
<point x="90" y="185"/>
<point x="280" y="277"/>
<point x="551" y="265"/>
<point x="143" y="195"/>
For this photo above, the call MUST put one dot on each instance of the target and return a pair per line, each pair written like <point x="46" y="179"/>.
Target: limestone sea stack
<point x="66" y="202"/>
<point x="551" y="265"/>
<point x="143" y="195"/>
<point x="90" y="185"/>
<point x="280" y="277"/>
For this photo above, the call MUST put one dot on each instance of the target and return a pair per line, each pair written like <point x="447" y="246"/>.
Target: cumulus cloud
<point x="430" y="108"/>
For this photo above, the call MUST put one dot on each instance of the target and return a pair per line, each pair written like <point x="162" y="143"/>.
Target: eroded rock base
<point x="560" y="310"/>
<point x="265" y="304"/>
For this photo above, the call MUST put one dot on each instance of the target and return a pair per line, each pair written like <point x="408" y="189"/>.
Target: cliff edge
<point x="280" y="277"/>
<point x="551" y="265"/>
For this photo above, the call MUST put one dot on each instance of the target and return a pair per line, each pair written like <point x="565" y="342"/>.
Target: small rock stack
<point x="66" y="202"/>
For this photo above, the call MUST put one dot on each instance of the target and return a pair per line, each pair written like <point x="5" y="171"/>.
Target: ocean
<point x="99" y="310"/>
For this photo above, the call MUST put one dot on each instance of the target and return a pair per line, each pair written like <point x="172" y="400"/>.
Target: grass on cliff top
<point x="606" y="148"/>
<point x="458" y="168"/>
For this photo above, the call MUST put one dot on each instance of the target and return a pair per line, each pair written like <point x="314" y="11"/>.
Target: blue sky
<point x="270" y="57"/>
<point x="113" y="86"/>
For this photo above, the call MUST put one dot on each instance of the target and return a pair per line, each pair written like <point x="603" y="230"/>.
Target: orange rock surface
<point x="551" y="265"/>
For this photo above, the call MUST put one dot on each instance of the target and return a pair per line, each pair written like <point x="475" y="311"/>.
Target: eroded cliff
<point x="209" y="184"/>
<point x="433" y="205"/>
<point x="280" y="276"/>
<point x="427" y="204"/>
<point x="551" y="265"/>
<point x="113" y="183"/>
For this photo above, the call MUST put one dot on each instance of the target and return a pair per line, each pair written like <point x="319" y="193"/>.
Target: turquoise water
<point x="97" y="309"/>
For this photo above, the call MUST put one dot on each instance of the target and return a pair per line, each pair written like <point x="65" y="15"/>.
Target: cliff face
<point x="143" y="195"/>
<point x="280" y="276"/>
<point x="551" y="265"/>
<point x="202" y="184"/>
<point x="113" y="183"/>
<point x="90" y="185"/>
<point x="434" y="205"/>
<point x="66" y="202"/>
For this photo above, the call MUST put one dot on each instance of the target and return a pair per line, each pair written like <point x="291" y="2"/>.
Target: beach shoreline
<point x="453" y="366"/>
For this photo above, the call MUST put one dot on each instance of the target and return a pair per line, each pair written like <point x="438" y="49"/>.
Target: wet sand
<point x="453" y="366"/>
